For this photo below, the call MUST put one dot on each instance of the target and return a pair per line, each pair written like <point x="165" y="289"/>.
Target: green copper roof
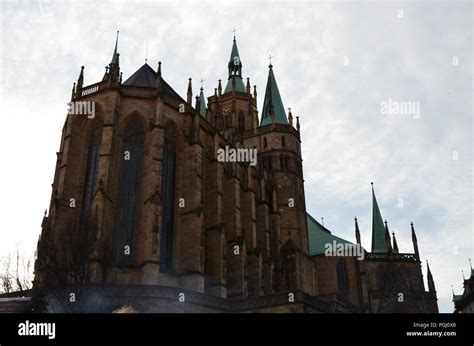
<point x="234" y="53"/>
<point x="239" y="84"/>
<point x="235" y="71"/>
<point x="202" y="104"/>
<point x="115" y="55"/>
<point x="319" y="236"/>
<point x="272" y="101"/>
<point x="378" y="229"/>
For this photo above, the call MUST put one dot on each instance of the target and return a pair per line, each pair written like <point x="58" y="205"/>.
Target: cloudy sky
<point x="335" y="63"/>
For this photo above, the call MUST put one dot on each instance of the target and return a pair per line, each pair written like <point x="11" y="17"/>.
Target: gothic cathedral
<point x="145" y="213"/>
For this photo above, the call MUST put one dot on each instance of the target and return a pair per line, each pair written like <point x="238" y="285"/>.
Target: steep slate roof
<point x="378" y="229"/>
<point x="145" y="77"/>
<point x="319" y="236"/>
<point x="272" y="99"/>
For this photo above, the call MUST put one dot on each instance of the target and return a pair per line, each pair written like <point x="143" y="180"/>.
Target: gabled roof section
<point x="272" y="102"/>
<point x="319" y="236"/>
<point x="145" y="77"/>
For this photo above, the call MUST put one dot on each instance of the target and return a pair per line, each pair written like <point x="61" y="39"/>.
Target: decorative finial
<point x="202" y="80"/>
<point x="159" y="68"/>
<point x="322" y="220"/>
<point x="371" y="183"/>
<point x="270" y="60"/>
<point x="234" y="33"/>
<point x="355" y="218"/>
<point x="146" y="53"/>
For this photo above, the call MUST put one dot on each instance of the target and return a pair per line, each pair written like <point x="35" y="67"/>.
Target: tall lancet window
<point x="127" y="202"/>
<point x="91" y="174"/>
<point x="168" y="184"/>
<point x="342" y="276"/>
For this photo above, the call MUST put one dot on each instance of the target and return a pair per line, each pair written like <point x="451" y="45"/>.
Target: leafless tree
<point x="16" y="275"/>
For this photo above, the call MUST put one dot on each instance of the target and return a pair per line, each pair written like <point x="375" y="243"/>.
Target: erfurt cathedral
<point x="168" y="204"/>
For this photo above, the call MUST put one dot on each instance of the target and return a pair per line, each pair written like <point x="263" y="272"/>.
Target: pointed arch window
<point x="168" y="185"/>
<point x="127" y="209"/>
<point x="342" y="276"/>
<point x="91" y="173"/>
<point x="241" y="122"/>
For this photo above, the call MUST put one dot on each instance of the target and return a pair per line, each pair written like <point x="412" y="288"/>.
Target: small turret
<point x="80" y="80"/>
<point x="357" y="232"/>
<point x="388" y="242"/>
<point x="395" y="245"/>
<point x="431" y="285"/>
<point x="158" y="78"/>
<point x="190" y="91"/>
<point x="415" y="241"/>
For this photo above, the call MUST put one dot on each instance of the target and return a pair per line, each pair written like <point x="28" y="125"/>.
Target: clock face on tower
<point x="226" y="110"/>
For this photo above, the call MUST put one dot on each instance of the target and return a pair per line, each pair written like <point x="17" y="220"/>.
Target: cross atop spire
<point x="234" y="31"/>
<point x="270" y="60"/>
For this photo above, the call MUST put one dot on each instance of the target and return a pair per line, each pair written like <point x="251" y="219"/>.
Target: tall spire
<point x="272" y="103"/>
<point x="431" y="285"/>
<point x="415" y="241"/>
<point x="115" y="56"/>
<point x="202" y="104"/>
<point x="235" y="71"/>
<point x="395" y="245"/>
<point x="357" y="232"/>
<point x="378" y="230"/>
